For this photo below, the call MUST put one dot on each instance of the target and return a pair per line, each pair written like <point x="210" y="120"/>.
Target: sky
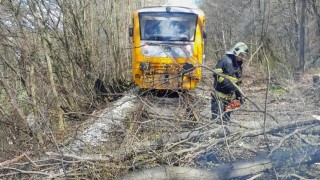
<point x="188" y="3"/>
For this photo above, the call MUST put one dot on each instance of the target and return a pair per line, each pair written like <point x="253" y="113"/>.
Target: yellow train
<point x="168" y="47"/>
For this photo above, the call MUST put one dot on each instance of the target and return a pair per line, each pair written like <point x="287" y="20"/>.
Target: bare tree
<point x="302" y="36"/>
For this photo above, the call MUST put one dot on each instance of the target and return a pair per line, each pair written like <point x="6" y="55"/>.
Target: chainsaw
<point x="232" y="105"/>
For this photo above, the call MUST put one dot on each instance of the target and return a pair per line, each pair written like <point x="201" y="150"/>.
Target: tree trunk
<point x="37" y="130"/>
<point x="236" y="169"/>
<point x="316" y="85"/>
<point x="59" y="111"/>
<point x="302" y="36"/>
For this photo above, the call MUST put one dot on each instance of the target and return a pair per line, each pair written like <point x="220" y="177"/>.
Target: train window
<point x="167" y="26"/>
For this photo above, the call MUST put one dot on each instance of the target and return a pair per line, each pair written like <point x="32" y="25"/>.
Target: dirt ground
<point x="145" y="131"/>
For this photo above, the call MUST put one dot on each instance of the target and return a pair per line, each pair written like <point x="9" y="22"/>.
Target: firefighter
<point x="226" y="96"/>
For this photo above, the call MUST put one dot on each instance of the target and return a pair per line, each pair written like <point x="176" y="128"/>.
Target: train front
<point x="168" y="49"/>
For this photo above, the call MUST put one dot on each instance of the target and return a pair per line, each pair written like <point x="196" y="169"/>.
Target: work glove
<point x="242" y="101"/>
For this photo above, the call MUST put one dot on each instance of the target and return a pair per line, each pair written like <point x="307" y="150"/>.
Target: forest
<point x="57" y="123"/>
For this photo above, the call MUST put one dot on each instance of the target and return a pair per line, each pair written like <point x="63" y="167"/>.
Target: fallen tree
<point x="260" y="163"/>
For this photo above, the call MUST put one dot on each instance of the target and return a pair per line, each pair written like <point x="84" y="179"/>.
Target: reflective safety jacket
<point x="233" y="70"/>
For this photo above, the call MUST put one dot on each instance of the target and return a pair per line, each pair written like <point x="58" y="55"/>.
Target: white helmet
<point x="240" y="47"/>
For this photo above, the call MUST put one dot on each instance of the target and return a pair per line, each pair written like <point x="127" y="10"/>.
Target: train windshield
<point x="167" y="26"/>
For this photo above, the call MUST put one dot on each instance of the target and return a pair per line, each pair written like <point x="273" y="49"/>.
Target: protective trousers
<point x="218" y="110"/>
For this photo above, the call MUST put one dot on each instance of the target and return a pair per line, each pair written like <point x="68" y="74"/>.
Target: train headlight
<point x="188" y="47"/>
<point x="146" y="49"/>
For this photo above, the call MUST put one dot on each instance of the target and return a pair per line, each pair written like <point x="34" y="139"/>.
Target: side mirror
<point x="204" y="34"/>
<point x="130" y="32"/>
